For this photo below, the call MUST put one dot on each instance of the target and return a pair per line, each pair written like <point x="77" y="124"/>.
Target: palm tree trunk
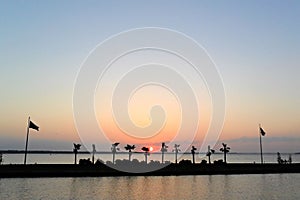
<point x="209" y="159"/>
<point x="176" y="157"/>
<point x="75" y="158"/>
<point x="129" y="156"/>
<point x="114" y="157"/>
<point x="193" y="158"/>
<point x="225" y="156"/>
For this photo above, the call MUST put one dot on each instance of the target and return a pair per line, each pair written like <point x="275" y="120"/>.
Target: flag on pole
<point x="33" y="126"/>
<point x="262" y="132"/>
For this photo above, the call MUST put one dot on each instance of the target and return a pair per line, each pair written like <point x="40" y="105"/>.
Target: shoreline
<point x="125" y="152"/>
<point x="71" y="170"/>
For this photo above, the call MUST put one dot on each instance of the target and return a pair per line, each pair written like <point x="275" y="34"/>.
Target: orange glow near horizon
<point x="140" y="108"/>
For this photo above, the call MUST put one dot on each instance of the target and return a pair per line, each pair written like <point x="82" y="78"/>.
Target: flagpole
<point x="26" y="141"/>
<point x="261" y="154"/>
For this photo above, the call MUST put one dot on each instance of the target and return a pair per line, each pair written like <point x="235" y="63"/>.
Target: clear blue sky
<point x="255" y="44"/>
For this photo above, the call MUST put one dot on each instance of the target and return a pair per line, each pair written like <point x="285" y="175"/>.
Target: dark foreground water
<point x="267" y="186"/>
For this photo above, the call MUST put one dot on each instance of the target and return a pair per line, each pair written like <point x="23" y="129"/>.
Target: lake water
<point x="69" y="158"/>
<point x="261" y="186"/>
<point x="266" y="186"/>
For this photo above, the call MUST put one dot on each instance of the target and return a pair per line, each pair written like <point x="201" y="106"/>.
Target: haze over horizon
<point x="255" y="46"/>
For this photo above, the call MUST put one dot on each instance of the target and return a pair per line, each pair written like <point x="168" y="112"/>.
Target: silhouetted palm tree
<point x="176" y="150"/>
<point x="164" y="148"/>
<point x="114" y="149"/>
<point x="225" y="149"/>
<point x="94" y="151"/>
<point x="75" y="150"/>
<point x="146" y="150"/>
<point x="193" y="153"/>
<point x="129" y="148"/>
<point x="209" y="152"/>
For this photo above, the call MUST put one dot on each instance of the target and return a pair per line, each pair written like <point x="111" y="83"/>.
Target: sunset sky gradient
<point x="255" y="45"/>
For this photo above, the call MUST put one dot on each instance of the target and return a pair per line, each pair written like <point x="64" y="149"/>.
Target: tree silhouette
<point x="146" y="153"/>
<point x="290" y="159"/>
<point x="193" y="150"/>
<point x="176" y="150"/>
<point x="94" y="151"/>
<point x="75" y="150"/>
<point x="209" y="152"/>
<point x="164" y="148"/>
<point x="129" y="148"/>
<point x="225" y="149"/>
<point x="114" y="150"/>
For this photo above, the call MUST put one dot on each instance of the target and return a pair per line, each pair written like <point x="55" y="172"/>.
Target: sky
<point x="254" y="44"/>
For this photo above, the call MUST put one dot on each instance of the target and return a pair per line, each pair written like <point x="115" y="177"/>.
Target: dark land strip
<point x="71" y="170"/>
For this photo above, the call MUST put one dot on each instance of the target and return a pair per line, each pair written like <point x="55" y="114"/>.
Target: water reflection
<point x="268" y="186"/>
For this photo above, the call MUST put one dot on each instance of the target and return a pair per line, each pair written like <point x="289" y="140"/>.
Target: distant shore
<point x="71" y="170"/>
<point x="120" y="152"/>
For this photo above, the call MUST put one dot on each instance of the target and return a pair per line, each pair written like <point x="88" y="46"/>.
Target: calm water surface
<point x="269" y="186"/>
